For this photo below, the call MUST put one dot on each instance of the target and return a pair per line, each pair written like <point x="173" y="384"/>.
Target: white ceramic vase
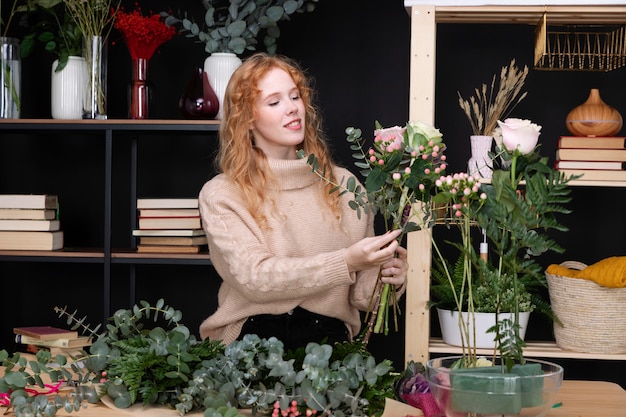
<point x="68" y="89"/>
<point x="219" y="67"/>
<point x="480" y="163"/>
<point x="449" y="323"/>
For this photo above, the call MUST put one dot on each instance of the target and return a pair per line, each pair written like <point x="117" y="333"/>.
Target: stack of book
<point x="53" y="339"/>
<point x="169" y="225"/>
<point x="29" y="222"/>
<point x="595" y="158"/>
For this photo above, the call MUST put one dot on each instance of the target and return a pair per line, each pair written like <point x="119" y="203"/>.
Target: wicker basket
<point x="593" y="316"/>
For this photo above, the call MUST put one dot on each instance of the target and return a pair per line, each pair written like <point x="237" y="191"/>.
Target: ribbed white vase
<point x="68" y="89"/>
<point x="480" y="162"/>
<point x="219" y="67"/>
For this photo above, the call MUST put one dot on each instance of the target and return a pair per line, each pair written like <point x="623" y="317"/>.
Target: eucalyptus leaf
<point x="248" y="17"/>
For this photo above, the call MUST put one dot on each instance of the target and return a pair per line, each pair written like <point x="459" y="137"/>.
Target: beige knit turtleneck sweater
<point x="297" y="261"/>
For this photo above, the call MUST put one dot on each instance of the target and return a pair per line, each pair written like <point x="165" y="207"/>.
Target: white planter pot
<point x="449" y="323"/>
<point x="68" y="89"/>
<point x="219" y="67"/>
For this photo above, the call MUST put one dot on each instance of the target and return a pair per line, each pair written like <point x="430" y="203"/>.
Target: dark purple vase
<point x="199" y="101"/>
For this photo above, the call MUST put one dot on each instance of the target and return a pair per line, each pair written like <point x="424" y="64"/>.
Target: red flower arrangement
<point x="142" y="34"/>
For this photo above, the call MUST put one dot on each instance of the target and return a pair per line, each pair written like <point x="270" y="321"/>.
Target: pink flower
<point x="519" y="134"/>
<point x="391" y="136"/>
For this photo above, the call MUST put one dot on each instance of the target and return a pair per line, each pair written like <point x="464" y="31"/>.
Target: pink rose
<point x="393" y="136"/>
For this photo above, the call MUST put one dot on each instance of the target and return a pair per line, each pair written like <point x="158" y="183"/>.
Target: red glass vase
<point x="140" y="90"/>
<point x="199" y="100"/>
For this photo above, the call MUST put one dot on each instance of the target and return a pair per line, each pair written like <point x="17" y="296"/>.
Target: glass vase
<point x="140" y="90"/>
<point x="199" y="100"/>
<point x="10" y="77"/>
<point x="95" y="54"/>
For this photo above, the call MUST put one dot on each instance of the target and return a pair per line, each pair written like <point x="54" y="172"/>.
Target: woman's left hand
<point x="394" y="271"/>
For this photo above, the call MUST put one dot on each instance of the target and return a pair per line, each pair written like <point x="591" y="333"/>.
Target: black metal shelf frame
<point x="108" y="127"/>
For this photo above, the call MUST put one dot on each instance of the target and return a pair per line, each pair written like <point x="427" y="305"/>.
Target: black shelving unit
<point x="108" y="255"/>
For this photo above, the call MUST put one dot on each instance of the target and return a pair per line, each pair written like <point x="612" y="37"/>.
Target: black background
<point x="357" y="51"/>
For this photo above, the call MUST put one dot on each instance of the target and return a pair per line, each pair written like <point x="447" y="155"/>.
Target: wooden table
<point x="590" y="399"/>
<point x="577" y="399"/>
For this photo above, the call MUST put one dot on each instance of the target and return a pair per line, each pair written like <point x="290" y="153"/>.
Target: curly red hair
<point x="239" y="158"/>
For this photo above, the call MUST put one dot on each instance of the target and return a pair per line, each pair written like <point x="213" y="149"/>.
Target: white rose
<point x="519" y="134"/>
<point x="417" y="130"/>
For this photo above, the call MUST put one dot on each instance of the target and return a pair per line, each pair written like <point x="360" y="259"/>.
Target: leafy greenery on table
<point x="166" y="365"/>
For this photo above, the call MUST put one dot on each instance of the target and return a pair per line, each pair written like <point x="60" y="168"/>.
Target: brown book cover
<point x="45" y="332"/>
<point x="80" y="341"/>
<point x="613" y="155"/>
<point x="592" y="142"/>
<point x="168" y="249"/>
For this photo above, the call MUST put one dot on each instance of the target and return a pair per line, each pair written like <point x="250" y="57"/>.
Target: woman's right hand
<point x="372" y="252"/>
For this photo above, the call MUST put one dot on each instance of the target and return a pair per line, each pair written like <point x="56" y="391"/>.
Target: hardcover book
<point x="173" y="240"/>
<point x="166" y="203"/>
<point x="593" y="142"/>
<point x="613" y="155"/>
<point x="27" y="214"/>
<point x="62" y="342"/>
<point x="169" y="223"/>
<point x="45" y="332"/>
<point x="35" y="225"/>
<point x="169" y="213"/>
<point x="29" y="240"/>
<point x="168" y="249"/>
<point x="606" y="165"/>
<point x="172" y="232"/>
<point x="596" y="174"/>
<point x="29" y="201"/>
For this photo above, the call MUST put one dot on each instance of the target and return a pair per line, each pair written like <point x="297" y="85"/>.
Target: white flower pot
<point x="219" y="67"/>
<point x="449" y="323"/>
<point x="68" y="89"/>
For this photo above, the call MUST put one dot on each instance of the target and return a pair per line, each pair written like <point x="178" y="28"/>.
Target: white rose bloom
<point x="414" y="129"/>
<point x="519" y="134"/>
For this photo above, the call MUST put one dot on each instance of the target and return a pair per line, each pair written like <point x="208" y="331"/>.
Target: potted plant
<point x="232" y="28"/>
<point x="50" y="23"/>
<point x="515" y="210"/>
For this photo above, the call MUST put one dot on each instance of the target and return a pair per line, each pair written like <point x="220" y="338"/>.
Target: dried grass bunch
<point x="488" y="105"/>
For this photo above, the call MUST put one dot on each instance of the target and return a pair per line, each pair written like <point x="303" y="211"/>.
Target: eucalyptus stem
<point x="6" y="27"/>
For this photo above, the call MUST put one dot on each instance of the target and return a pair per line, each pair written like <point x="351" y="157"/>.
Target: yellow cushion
<point x="609" y="272"/>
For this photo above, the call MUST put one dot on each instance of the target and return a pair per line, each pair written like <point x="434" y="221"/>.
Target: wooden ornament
<point x="594" y="118"/>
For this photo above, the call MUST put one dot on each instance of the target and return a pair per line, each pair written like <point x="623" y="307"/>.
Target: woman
<point x="296" y="262"/>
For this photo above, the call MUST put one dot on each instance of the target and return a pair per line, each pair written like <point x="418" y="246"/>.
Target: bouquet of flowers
<point x="143" y="34"/>
<point x="400" y="168"/>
